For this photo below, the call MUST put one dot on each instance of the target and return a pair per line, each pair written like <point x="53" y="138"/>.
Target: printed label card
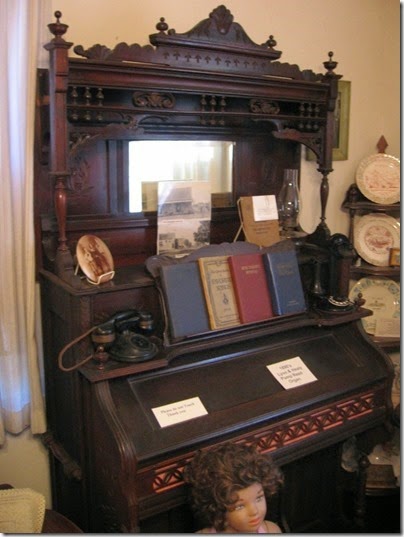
<point x="291" y="373"/>
<point x="179" y="411"/>
<point x="265" y="208"/>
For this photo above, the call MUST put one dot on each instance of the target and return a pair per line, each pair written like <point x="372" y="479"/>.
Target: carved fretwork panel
<point x="91" y="187"/>
<point x="280" y="435"/>
<point x="85" y="107"/>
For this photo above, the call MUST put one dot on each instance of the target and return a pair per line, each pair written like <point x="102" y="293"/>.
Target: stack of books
<point x="220" y="292"/>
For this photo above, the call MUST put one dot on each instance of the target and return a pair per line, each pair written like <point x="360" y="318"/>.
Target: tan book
<point x="218" y="288"/>
<point x="263" y="233"/>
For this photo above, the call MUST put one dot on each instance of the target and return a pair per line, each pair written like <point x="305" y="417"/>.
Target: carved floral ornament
<point x="153" y="100"/>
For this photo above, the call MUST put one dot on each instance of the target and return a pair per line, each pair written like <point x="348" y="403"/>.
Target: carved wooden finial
<point x="359" y="301"/>
<point x="270" y="43"/>
<point x="57" y="28"/>
<point x="330" y="64"/>
<point x="353" y="193"/>
<point x="381" y="144"/>
<point x="162" y="26"/>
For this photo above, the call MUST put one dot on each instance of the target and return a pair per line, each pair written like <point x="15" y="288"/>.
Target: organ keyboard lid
<point x="239" y="393"/>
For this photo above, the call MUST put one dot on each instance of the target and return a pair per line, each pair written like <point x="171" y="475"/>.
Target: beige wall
<point x="365" y="38"/>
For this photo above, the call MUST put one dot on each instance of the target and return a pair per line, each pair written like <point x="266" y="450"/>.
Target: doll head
<point x="216" y="475"/>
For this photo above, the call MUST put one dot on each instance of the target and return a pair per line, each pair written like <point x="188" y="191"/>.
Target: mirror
<point x="151" y="161"/>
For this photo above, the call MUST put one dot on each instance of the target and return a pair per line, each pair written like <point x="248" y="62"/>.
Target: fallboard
<point x="239" y="393"/>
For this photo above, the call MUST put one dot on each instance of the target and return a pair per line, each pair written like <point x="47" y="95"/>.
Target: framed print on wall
<point x="341" y="123"/>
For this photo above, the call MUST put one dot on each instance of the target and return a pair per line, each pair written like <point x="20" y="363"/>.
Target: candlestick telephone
<point x="342" y="254"/>
<point x="124" y="337"/>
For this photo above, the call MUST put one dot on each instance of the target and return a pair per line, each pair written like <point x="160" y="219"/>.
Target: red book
<point x="250" y="287"/>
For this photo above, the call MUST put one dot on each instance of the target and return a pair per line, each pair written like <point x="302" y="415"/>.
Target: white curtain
<point x="23" y="33"/>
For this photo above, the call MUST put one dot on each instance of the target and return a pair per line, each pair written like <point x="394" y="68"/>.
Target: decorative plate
<point x="382" y="297"/>
<point x="374" y="236"/>
<point x="378" y="178"/>
<point x="95" y="259"/>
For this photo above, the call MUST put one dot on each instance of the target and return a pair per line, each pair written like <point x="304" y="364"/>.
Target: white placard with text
<point x="264" y="208"/>
<point x="179" y="411"/>
<point x="291" y="373"/>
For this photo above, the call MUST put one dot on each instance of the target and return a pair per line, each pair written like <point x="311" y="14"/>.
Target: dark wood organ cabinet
<point x="114" y="468"/>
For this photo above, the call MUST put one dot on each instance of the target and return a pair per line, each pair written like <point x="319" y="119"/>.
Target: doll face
<point x="248" y="513"/>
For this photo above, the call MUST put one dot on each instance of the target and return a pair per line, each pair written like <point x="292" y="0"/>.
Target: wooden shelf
<point x="387" y="343"/>
<point x="356" y="203"/>
<point x="372" y="270"/>
<point x="369" y="206"/>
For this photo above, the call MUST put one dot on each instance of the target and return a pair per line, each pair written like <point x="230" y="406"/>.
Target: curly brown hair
<point x="215" y="476"/>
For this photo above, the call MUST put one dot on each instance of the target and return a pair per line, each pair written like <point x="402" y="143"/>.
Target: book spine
<point x="219" y="293"/>
<point x="185" y="299"/>
<point x="250" y="287"/>
<point x="273" y="291"/>
<point x="284" y="282"/>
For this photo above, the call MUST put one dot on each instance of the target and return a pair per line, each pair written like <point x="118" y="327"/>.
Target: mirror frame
<point x="166" y="90"/>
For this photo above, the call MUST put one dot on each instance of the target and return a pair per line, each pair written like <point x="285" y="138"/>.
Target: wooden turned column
<point x="322" y="233"/>
<point x="59" y="174"/>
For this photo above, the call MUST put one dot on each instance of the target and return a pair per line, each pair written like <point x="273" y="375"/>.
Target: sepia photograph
<point x="184" y="213"/>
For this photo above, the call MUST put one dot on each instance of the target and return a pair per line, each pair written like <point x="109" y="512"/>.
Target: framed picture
<point x="341" y="123"/>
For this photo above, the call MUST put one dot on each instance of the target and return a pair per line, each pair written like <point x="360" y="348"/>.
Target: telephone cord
<point x="68" y="346"/>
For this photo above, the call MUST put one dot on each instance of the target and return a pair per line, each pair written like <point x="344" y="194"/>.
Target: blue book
<point x="284" y="282"/>
<point x="184" y="299"/>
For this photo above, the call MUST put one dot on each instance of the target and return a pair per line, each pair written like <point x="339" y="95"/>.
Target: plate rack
<point x="358" y="205"/>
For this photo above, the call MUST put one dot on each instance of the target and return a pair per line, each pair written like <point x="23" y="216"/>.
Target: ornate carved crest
<point x="214" y="44"/>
